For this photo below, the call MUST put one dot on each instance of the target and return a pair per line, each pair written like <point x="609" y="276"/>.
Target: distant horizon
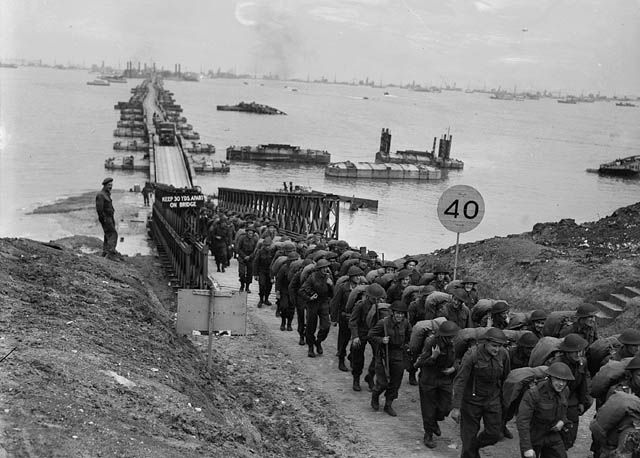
<point x="564" y="92"/>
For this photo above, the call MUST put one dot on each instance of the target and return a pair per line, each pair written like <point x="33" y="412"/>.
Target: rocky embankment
<point x="556" y="266"/>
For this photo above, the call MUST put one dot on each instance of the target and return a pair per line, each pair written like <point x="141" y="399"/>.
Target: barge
<point x="200" y="148"/>
<point x="125" y="163"/>
<point x="626" y="167"/>
<point x="382" y="171"/>
<point x="131" y="146"/>
<point x="274" y="152"/>
<point x="129" y="132"/>
<point x="441" y="160"/>
<point x="206" y="165"/>
<point x="251" y="107"/>
<point x="98" y="83"/>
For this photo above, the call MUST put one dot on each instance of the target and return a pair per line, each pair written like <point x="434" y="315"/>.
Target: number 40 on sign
<point x="460" y="209"/>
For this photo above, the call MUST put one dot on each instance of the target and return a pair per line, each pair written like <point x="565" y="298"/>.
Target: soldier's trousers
<point x="551" y="447"/>
<point x="300" y="311"/>
<point x="264" y="284"/>
<point x="573" y="417"/>
<point x="110" y="236"/>
<point x="357" y="358"/>
<point x="389" y="386"/>
<point x="471" y="412"/>
<point x="317" y="318"/>
<point x="245" y="272"/>
<point x="435" y="398"/>
<point x="344" y="334"/>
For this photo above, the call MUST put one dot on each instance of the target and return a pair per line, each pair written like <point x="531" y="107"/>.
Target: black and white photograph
<point x="351" y="228"/>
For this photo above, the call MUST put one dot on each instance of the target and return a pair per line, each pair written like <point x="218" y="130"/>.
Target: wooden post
<point x="212" y="293"/>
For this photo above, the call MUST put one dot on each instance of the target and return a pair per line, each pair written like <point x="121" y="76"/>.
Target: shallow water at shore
<point x="527" y="159"/>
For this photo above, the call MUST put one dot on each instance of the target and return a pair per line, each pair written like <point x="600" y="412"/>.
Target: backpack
<point x="480" y="310"/>
<point x="354" y="296"/>
<point x="543" y="350"/>
<point x="608" y="374"/>
<point x="518" y="381"/>
<point x="421" y="330"/>
<point x="599" y="350"/>
<point x="557" y="321"/>
<point x="377" y="312"/>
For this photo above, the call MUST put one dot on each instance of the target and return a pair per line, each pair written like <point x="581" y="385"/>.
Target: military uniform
<point x="435" y="387"/>
<point x="318" y="307"/>
<point x="540" y="410"/>
<point x="359" y="328"/>
<point x="104" y="208"/>
<point x="391" y="359"/>
<point x="477" y="390"/>
<point x="340" y="316"/>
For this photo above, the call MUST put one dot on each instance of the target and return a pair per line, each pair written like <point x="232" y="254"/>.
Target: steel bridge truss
<point x="294" y="212"/>
<point x="175" y="234"/>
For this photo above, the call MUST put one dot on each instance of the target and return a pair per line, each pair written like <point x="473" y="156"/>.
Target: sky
<point x="571" y="45"/>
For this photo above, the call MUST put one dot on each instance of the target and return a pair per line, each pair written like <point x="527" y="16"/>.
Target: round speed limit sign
<point x="460" y="208"/>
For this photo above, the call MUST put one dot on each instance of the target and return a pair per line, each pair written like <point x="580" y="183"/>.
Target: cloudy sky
<point x="578" y="45"/>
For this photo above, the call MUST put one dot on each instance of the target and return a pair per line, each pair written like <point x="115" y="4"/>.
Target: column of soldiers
<point x="471" y="358"/>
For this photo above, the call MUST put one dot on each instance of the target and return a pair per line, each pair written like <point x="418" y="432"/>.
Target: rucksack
<point x="377" y="312"/>
<point x="557" y="321"/>
<point x="599" y="350"/>
<point x="421" y="330"/>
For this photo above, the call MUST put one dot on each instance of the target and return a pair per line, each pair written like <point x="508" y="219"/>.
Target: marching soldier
<point x="437" y="369"/>
<point x="317" y="291"/>
<point x="391" y="336"/>
<point x="373" y="295"/>
<point x="477" y="390"/>
<point x="572" y="351"/>
<point x="585" y="325"/>
<point x="543" y="413"/>
<point x="340" y="317"/>
<point x="536" y="323"/>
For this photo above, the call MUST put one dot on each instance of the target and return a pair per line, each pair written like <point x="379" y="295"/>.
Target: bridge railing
<point x="175" y="233"/>
<point x="294" y="212"/>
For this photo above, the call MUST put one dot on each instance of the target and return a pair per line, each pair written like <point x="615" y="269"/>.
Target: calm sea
<point x="527" y="159"/>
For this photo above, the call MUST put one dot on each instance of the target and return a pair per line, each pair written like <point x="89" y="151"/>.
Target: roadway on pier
<point x="170" y="166"/>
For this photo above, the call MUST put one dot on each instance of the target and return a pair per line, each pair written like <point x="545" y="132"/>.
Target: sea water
<point x="528" y="159"/>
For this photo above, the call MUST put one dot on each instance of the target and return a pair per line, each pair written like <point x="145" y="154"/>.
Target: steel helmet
<point x="469" y="280"/>
<point x="404" y="273"/>
<point x="322" y="263"/>
<point x="460" y="294"/>
<point x="440" y="269"/>
<point x="389" y="264"/>
<point x="573" y="342"/>
<point x="495" y="335"/>
<point x="527" y="340"/>
<point x="538" y="315"/>
<point x="586" y="310"/>
<point x="375" y="291"/>
<point x="448" y="329"/>
<point x="399" y="306"/>
<point x="634" y="364"/>
<point x="499" y="307"/>
<point x="630" y="337"/>
<point x="408" y="260"/>
<point x="561" y="371"/>
<point x="354" y="271"/>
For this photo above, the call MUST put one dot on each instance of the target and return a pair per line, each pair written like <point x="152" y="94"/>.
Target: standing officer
<point x="391" y="336"/>
<point x="543" y="413"/>
<point x="316" y="291"/>
<point x="373" y="295"/>
<point x="572" y="354"/>
<point x="339" y="315"/>
<point x="477" y="390"/>
<point x="104" y="208"/>
<point x="437" y="368"/>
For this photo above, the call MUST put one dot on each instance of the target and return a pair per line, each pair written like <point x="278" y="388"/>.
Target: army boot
<point x="375" y="401"/>
<point x="341" y="365"/>
<point x="356" y="383"/>
<point x="311" y="353"/>
<point x="389" y="409"/>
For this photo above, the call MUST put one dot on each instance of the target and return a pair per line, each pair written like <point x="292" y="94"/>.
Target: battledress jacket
<point x="480" y="376"/>
<point x="541" y="408"/>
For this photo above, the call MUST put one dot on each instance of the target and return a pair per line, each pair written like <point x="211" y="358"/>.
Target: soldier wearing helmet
<point x="441" y="279"/>
<point x="391" y="336"/>
<point x="543" y="414"/>
<point x="498" y="316"/>
<point x="519" y="355"/>
<point x="437" y="368"/>
<point x="339" y="316"/>
<point x="477" y="389"/>
<point x="536" y="322"/>
<point x="246" y="247"/>
<point x="630" y="345"/>
<point x="373" y="295"/>
<point x="572" y="354"/>
<point x="317" y="291"/>
<point x="457" y="311"/>
<point x="470" y="293"/>
<point x="585" y="324"/>
<point x="402" y="280"/>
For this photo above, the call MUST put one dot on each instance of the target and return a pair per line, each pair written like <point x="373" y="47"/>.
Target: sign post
<point x="460" y="209"/>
